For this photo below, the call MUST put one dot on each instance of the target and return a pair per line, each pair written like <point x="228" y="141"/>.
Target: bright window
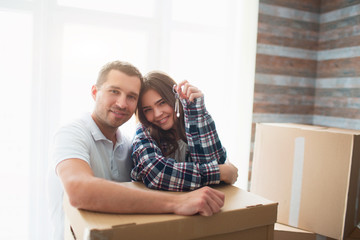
<point x="86" y="48"/>
<point x="187" y="61"/>
<point x="206" y="12"/>
<point x="143" y="8"/>
<point x="52" y="51"/>
<point x="16" y="77"/>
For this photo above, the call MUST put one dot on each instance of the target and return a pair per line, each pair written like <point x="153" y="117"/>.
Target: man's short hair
<point x="121" y="66"/>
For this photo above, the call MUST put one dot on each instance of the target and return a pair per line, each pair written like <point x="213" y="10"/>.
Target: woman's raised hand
<point x="188" y="91"/>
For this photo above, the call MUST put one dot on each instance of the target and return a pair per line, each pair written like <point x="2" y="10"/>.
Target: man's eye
<point x="114" y="91"/>
<point x="132" y="97"/>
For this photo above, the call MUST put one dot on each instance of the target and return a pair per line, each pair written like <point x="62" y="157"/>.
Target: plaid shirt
<point x="201" y="166"/>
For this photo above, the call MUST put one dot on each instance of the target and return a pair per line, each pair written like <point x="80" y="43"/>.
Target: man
<point x="90" y="156"/>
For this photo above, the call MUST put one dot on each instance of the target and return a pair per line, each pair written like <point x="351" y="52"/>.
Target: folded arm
<point x="203" y="140"/>
<point x="159" y="172"/>
<point x="86" y="191"/>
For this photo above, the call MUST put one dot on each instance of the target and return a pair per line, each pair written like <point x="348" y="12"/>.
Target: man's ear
<point x="94" y="91"/>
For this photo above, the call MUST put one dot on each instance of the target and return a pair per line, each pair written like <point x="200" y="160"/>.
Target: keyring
<point x="173" y="89"/>
<point x="176" y="107"/>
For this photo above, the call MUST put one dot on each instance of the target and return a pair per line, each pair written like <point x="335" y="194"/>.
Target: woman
<point x="176" y="146"/>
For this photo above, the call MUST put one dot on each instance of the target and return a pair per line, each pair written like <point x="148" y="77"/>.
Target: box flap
<point x="242" y="210"/>
<point x="313" y="128"/>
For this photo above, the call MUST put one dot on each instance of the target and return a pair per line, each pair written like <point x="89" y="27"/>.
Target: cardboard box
<point x="355" y="235"/>
<point x="284" y="232"/>
<point x="313" y="172"/>
<point x="244" y="215"/>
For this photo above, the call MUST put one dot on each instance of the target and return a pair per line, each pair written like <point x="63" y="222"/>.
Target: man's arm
<point x="88" y="192"/>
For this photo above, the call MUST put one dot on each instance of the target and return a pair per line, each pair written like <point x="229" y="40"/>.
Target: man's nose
<point x="121" y="101"/>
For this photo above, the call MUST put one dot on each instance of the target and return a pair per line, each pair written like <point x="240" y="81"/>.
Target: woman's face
<point x="156" y="110"/>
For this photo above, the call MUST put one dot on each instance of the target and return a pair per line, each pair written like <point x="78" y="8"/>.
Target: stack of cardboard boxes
<point x="313" y="173"/>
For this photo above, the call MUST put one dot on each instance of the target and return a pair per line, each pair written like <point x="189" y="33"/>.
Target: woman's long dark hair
<point x="162" y="84"/>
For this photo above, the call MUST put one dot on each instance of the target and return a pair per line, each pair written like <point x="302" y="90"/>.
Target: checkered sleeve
<point x="203" y="141"/>
<point x="159" y="172"/>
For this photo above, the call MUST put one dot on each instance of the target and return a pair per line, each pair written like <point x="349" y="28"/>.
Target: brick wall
<point x="308" y="63"/>
<point x="337" y="97"/>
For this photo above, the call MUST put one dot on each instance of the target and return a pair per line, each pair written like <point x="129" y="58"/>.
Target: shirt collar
<point x="98" y="135"/>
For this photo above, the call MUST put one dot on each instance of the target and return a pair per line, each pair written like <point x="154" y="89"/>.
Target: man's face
<point x="115" y="100"/>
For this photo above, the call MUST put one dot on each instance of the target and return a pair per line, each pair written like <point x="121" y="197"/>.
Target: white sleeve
<point x="70" y="141"/>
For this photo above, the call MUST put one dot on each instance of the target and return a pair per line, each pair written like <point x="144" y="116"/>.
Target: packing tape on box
<point x="299" y="150"/>
<point x="86" y="234"/>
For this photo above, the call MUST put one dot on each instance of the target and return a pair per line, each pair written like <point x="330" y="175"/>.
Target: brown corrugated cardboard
<point x="284" y="232"/>
<point x="313" y="172"/>
<point x="244" y="215"/>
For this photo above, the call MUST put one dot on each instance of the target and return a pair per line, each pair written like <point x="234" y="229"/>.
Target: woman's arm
<point x="159" y="172"/>
<point x="203" y="140"/>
